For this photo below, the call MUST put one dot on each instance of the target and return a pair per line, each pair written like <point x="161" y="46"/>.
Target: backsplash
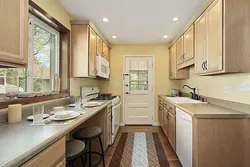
<point x="27" y="109"/>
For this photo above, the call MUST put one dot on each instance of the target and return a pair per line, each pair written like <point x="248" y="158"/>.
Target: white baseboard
<point x="122" y="124"/>
<point x="156" y="124"/>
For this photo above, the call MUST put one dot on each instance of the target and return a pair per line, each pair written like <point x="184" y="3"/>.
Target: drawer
<point x="51" y="156"/>
<point x="171" y="108"/>
<point x="160" y="100"/>
<point x="165" y="104"/>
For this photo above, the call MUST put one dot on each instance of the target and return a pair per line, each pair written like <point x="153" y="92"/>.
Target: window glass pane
<point x="133" y="76"/>
<point x="13" y="78"/>
<point x="143" y="76"/>
<point x="43" y="59"/>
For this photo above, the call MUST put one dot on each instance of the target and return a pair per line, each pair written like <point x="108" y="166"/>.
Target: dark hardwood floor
<point x="170" y="153"/>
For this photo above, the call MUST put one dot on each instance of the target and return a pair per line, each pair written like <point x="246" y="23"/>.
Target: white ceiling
<point x="135" y="21"/>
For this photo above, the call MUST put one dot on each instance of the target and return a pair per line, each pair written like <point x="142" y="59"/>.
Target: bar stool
<point x="74" y="150"/>
<point x="87" y="134"/>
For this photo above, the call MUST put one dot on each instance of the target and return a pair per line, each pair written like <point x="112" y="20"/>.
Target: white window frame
<point x="34" y="20"/>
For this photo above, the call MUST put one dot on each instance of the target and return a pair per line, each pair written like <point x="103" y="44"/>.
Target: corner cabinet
<point x="14" y="33"/>
<point x="83" y="50"/>
<point x="221" y="44"/>
<point x="174" y="73"/>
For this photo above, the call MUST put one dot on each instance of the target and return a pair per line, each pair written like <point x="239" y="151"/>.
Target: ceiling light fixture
<point x="176" y="19"/>
<point x="114" y="37"/>
<point x="165" y="36"/>
<point x="105" y="20"/>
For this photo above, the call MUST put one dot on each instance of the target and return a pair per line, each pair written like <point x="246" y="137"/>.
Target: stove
<point x="92" y="94"/>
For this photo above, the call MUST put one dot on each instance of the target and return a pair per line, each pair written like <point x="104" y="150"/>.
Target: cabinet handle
<point x="202" y="65"/>
<point x="183" y="56"/>
<point x="205" y="65"/>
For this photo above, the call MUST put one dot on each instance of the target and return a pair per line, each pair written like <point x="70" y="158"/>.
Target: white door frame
<point x="123" y="86"/>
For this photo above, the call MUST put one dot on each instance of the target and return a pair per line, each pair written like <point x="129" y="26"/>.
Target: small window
<point x="138" y="75"/>
<point x="43" y="61"/>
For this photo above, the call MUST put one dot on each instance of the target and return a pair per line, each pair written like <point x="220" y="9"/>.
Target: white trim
<point x="122" y="124"/>
<point x="153" y="85"/>
<point x="156" y="124"/>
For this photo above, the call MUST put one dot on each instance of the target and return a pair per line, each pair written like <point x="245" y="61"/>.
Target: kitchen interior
<point x="111" y="83"/>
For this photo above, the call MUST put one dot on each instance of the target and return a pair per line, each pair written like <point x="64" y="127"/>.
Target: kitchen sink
<point x="180" y="100"/>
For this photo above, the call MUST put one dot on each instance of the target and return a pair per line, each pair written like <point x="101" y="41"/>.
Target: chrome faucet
<point x="193" y="94"/>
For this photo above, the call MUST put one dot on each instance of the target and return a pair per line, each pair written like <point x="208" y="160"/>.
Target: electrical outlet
<point x="227" y="89"/>
<point x="245" y="86"/>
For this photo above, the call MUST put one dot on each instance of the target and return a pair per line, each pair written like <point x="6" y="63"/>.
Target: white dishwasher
<point x="184" y="137"/>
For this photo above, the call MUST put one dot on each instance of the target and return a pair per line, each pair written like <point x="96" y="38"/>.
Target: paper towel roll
<point x="15" y="113"/>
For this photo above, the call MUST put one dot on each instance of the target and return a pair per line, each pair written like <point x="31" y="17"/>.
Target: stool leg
<point x="83" y="160"/>
<point x="102" y="151"/>
<point x="90" y="165"/>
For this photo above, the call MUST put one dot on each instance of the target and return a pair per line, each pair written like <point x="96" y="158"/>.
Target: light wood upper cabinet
<point x="189" y="44"/>
<point x="83" y="50"/>
<point x="92" y="52"/>
<point x="200" y="44"/>
<point x="180" y="51"/>
<point x="14" y="33"/>
<point x="209" y="40"/>
<point x="99" y="46"/>
<point x="214" y="37"/>
<point x="105" y="51"/>
<point x="174" y="73"/>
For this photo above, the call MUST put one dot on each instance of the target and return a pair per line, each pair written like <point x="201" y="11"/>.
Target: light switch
<point x="245" y="86"/>
<point x="118" y="84"/>
<point x="227" y="89"/>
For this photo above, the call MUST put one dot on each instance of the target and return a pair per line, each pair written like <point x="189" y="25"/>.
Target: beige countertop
<point x="20" y="142"/>
<point x="201" y="110"/>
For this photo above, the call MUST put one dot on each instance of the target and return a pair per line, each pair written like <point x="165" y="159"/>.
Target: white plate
<point x="30" y="118"/>
<point x="92" y="104"/>
<point x="73" y="115"/>
<point x="63" y="114"/>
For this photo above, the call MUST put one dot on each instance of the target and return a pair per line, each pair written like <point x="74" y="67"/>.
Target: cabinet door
<point x="165" y="120"/>
<point x="172" y="62"/>
<point x="200" y="44"/>
<point x="189" y="44"/>
<point x="105" y="51"/>
<point x="180" y="51"/>
<point x="214" y="37"/>
<point x="108" y="129"/>
<point x="92" y="53"/>
<point x="99" y="47"/>
<point x="171" y="129"/>
<point x="160" y="114"/>
<point x="14" y="33"/>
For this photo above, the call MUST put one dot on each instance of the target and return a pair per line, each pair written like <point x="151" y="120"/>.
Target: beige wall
<point x="162" y="83"/>
<point x="213" y="86"/>
<point x="60" y="14"/>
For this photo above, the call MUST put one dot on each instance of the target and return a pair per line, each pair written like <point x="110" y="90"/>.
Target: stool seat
<point x="88" y="133"/>
<point x="74" y="149"/>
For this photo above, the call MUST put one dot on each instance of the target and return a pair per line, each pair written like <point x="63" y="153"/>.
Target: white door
<point x="138" y="90"/>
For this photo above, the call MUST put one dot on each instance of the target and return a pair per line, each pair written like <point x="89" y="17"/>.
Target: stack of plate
<point x="64" y="115"/>
<point x="92" y="104"/>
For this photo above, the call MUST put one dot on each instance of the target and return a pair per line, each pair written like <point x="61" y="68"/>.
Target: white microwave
<point x="102" y="67"/>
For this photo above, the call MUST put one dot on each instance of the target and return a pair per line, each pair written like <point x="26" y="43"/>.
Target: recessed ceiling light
<point x="114" y="37"/>
<point x="165" y="36"/>
<point x="176" y="19"/>
<point x="105" y="19"/>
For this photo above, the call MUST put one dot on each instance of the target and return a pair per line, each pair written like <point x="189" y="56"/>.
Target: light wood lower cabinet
<point x="171" y="129"/>
<point x="221" y="142"/>
<point x="53" y="156"/>
<point x="165" y="121"/>
<point x="160" y="114"/>
<point x="14" y="33"/>
<point x="108" y="127"/>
